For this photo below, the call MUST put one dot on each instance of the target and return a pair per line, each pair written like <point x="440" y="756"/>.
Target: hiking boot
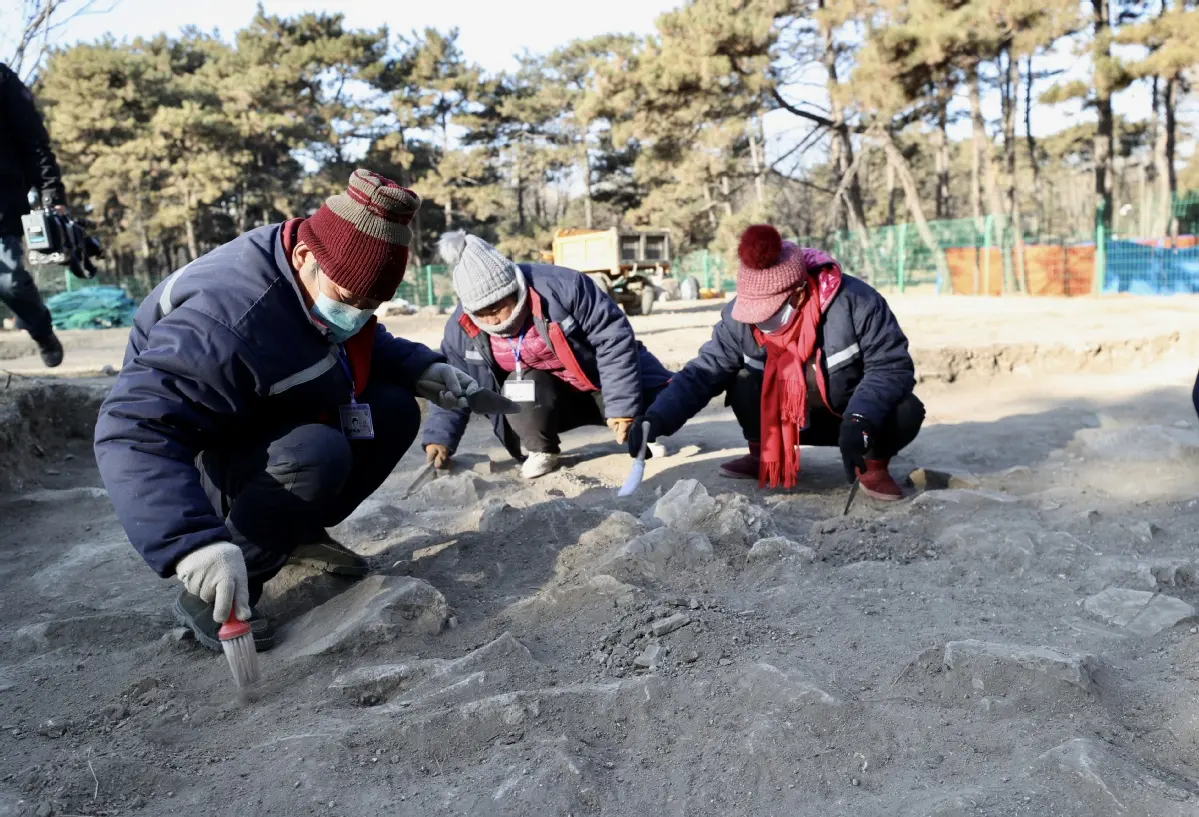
<point x="51" y="349"/>
<point x="196" y="614"/>
<point x="745" y="467"/>
<point x="538" y="464"/>
<point x="331" y="557"/>
<point x="877" y="482"/>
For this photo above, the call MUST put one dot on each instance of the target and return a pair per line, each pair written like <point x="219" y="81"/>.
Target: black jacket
<point x="26" y="158"/>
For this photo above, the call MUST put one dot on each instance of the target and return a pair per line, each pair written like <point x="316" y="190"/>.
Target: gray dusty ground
<point x="1019" y="643"/>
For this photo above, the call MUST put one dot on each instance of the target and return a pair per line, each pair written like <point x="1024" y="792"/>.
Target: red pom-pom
<point x="760" y="246"/>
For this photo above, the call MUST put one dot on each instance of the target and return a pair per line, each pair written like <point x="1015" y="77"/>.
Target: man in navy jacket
<point x="260" y="402"/>
<point x="806" y="356"/>
<point x="552" y="341"/>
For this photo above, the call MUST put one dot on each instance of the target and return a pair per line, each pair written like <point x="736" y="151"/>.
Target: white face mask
<point x="779" y="320"/>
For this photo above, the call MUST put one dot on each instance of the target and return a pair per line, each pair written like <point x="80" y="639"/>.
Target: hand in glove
<point x="857" y="437"/>
<point x="446" y="386"/>
<point x="620" y="427"/>
<point x="437" y="454"/>
<point x="636" y="433"/>
<point x="217" y="573"/>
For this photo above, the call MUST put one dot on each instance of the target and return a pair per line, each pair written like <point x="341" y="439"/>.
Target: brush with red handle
<point x="238" y="643"/>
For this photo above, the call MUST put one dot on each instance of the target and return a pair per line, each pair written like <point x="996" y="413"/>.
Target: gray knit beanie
<point x="481" y="275"/>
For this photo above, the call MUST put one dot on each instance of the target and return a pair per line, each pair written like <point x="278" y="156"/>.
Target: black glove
<point x="635" y="435"/>
<point x="857" y="437"/>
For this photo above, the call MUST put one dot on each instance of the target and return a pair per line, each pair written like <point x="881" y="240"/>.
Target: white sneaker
<point x="538" y="465"/>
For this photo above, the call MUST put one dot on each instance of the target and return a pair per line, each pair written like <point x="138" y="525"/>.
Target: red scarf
<point x="785" y="394"/>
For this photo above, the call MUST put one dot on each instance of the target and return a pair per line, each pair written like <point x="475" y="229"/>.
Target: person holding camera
<point x="26" y="161"/>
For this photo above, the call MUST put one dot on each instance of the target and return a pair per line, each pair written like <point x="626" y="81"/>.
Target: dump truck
<point x="622" y="262"/>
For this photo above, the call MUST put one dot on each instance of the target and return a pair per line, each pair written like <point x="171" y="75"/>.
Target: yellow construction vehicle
<point x="623" y="263"/>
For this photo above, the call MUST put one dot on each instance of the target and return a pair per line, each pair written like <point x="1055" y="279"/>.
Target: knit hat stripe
<point x="361" y="218"/>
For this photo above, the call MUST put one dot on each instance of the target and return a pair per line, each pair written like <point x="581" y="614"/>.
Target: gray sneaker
<point x="331" y="557"/>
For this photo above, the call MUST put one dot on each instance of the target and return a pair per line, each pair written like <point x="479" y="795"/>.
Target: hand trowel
<point x="633" y="480"/>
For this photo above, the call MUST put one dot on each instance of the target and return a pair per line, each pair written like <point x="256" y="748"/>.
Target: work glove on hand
<point x="437" y="454"/>
<point x="620" y="426"/>
<point x="217" y="573"/>
<point x="445" y="386"/>
<point x="857" y="437"/>
<point x="635" y="435"/>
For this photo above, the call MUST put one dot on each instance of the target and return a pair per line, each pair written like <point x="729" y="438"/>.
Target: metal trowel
<point x="633" y="481"/>
<point x="486" y="401"/>
<point x="423" y="478"/>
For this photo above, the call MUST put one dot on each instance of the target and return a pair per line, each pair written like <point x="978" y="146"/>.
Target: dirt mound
<point x="38" y="421"/>
<point x="1014" y="644"/>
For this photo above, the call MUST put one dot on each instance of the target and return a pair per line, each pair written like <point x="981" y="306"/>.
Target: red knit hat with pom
<point x="771" y="270"/>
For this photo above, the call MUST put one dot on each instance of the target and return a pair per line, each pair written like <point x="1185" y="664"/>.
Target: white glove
<point x="446" y="386"/>
<point x="217" y="573"/>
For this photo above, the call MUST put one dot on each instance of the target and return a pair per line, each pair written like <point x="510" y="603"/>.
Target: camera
<point x="55" y="239"/>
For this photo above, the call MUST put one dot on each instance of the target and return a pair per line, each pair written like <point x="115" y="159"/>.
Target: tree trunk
<point x="588" y="205"/>
<point x="1105" y="132"/>
<point x="853" y="192"/>
<point x="1170" y="98"/>
<point x="893" y="194"/>
<point x="193" y="249"/>
<point x="915" y="208"/>
<point x="758" y="163"/>
<point x="520" y="195"/>
<point x="710" y="206"/>
<point x="1007" y="99"/>
<point x="941" y="139"/>
<point x="1034" y="163"/>
<point x="979" y="134"/>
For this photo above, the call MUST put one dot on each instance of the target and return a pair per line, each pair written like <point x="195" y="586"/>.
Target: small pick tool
<point x="238" y="643"/>
<point x="633" y="480"/>
<point x="853" y="491"/>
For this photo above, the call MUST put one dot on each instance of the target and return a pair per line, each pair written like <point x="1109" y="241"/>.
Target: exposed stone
<point x="929" y="479"/>
<point x="665" y="626"/>
<point x="657" y="554"/>
<point x="962" y="496"/>
<point x="768" y="685"/>
<point x="371" y="685"/>
<point x="648" y="658"/>
<point x="738" y="523"/>
<point x="1118" y="605"/>
<point x="686" y="506"/>
<point x="1146" y="530"/>
<point x="374" y="611"/>
<point x="1140" y="612"/>
<point x="981" y="659"/>
<point x="776" y="548"/>
<point x="494" y="515"/>
<point x="452" y="490"/>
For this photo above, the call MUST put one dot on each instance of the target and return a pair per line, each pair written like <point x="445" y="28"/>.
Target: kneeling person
<point x="806" y="356"/>
<point x="260" y="402"/>
<point x="552" y="341"/>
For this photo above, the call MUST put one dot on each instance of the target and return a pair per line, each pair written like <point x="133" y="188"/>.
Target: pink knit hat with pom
<point x="771" y="270"/>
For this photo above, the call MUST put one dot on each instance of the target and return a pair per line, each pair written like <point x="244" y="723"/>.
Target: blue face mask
<point x="343" y="321"/>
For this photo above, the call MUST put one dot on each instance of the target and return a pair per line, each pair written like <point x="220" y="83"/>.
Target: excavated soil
<point x="1021" y="642"/>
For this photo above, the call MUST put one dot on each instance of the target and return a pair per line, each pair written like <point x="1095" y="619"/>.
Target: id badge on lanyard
<point x="517" y="389"/>
<point x="356" y="421"/>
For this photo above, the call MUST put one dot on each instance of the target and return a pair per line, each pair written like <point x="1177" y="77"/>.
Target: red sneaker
<point x="745" y="467"/>
<point x="877" y="482"/>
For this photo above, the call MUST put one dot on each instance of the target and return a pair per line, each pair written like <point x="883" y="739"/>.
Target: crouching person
<point x="806" y="355"/>
<point x="260" y="402"/>
<point x="549" y="339"/>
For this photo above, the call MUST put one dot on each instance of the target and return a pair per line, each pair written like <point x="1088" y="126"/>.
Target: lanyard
<point x="344" y="360"/>
<point x="516" y="347"/>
